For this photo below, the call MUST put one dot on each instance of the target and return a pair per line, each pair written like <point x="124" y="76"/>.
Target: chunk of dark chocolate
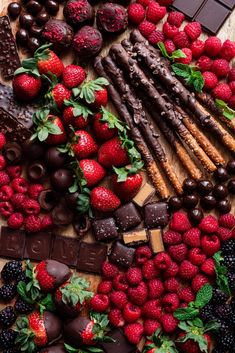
<point x="156" y="215"/>
<point x="120" y="343"/>
<point x="127" y="216"/>
<point x="189" y="8"/>
<point x="65" y="249"/>
<point x="104" y="229"/>
<point x="155" y="239"/>
<point x="37" y="246"/>
<point x="121" y="255"/>
<point x="91" y="257"/>
<point x="229" y="3"/>
<point x="12" y="242"/>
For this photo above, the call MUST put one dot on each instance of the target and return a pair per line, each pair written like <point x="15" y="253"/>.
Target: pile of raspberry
<point x="19" y="199"/>
<point x="212" y="57"/>
<point x="145" y="297"/>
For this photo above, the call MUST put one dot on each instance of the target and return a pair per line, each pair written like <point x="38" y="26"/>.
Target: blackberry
<point x="224" y="312"/>
<point x="226" y="341"/>
<point x="219" y="349"/>
<point x="207" y="313"/>
<point x="228" y="247"/>
<point x="22" y="277"/>
<point x="224" y="326"/>
<point x="8" y="292"/>
<point x="219" y="297"/>
<point x="22" y="307"/>
<point x="229" y="262"/>
<point x="231" y="280"/>
<point x="7" y="338"/>
<point x="7" y="316"/>
<point x="11" y="350"/>
<point x="11" y="270"/>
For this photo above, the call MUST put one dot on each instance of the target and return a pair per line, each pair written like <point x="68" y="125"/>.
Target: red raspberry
<point x="155" y="13"/>
<point x="198" y="282"/>
<point x="155" y="37"/>
<point x="118" y="299"/>
<point x="232" y="86"/>
<point x="204" y="63"/>
<point x="231" y="102"/>
<point x="47" y="222"/>
<point x="213" y="46"/>
<point x="187" y="60"/>
<point x="20" y="185"/>
<point x="192" y="237"/>
<point x="109" y="270"/>
<point x="131" y="313"/>
<point x="181" y="40"/>
<point x="134" y="276"/>
<point x="220" y="67"/>
<point x="142" y="254"/>
<point x="171" y="285"/>
<point x="2" y="162"/>
<point x="170" y="31"/>
<point x="170" y="46"/>
<point x="209" y="224"/>
<point x="169" y="323"/>
<point x="162" y="261"/>
<point x="115" y="318"/>
<point x="134" y="332"/>
<point x="197" y="48"/>
<point x="32" y="224"/>
<point x="138" y="295"/>
<point x="224" y="233"/>
<point x="156" y="288"/>
<point x="136" y="13"/>
<point x="146" y="28"/>
<point x="227" y="220"/>
<point x="170" y="302"/>
<point x="222" y="91"/>
<point x="178" y="252"/>
<point x="4" y="178"/>
<point x="120" y="283"/>
<point x="186" y="294"/>
<point x="196" y="256"/>
<point x="180" y="222"/>
<point x="193" y="30"/>
<point x="144" y="3"/>
<point x="151" y="326"/>
<point x="175" y="18"/>
<point x="6" y="209"/>
<point x="210" y="80"/>
<point x="31" y="206"/>
<point x="187" y="270"/>
<point x="172" y="270"/>
<point x="208" y="267"/>
<point x="104" y="287"/>
<point x="15" y="220"/>
<point x="210" y="244"/>
<point x="228" y="50"/>
<point x="171" y="238"/>
<point x="149" y="271"/>
<point x="17" y="200"/>
<point x="34" y="190"/>
<point x="100" y="302"/>
<point x="14" y="171"/>
<point x="6" y="193"/>
<point x="2" y="140"/>
<point x="231" y="75"/>
<point x="152" y="309"/>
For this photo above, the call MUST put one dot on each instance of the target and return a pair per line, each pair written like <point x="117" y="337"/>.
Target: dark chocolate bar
<point x="12" y="243"/>
<point x="65" y="249"/>
<point x="120" y="344"/>
<point x="37" y="246"/>
<point x="91" y="257"/>
<point x="229" y="3"/>
<point x="127" y="216"/>
<point x="188" y="7"/>
<point x="105" y="229"/>
<point x="156" y="215"/>
<point x="121" y="255"/>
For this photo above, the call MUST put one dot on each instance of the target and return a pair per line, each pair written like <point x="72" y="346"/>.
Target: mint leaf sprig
<point x="227" y="112"/>
<point x="191" y="75"/>
<point x="221" y="273"/>
<point x="177" y="54"/>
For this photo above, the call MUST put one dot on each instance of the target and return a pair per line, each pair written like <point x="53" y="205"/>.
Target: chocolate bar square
<point x="91" y="257"/>
<point x="121" y="255"/>
<point x="12" y="242"/>
<point x="188" y="7"/>
<point x="127" y="216"/>
<point x="120" y="343"/>
<point x="38" y="246"/>
<point x="156" y="215"/>
<point x="65" y="249"/>
<point x="229" y="3"/>
<point x="105" y="229"/>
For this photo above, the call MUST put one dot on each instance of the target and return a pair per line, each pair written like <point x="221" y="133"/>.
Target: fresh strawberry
<point x="138" y="295"/>
<point x="208" y="267"/>
<point x="196" y="256"/>
<point x="73" y="76"/>
<point x="118" y="299"/>
<point x="127" y="189"/>
<point x="72" y="295"/>
<point x="100" y="303"/>
<point x="152" y="309"/>
<point x="93" y="92"/>
<point x="76" y="114"/>
<point x="213" y="46"/>
<point x="59" y="94"/>
<point x="193" y="30"/>
<point x="178" y="252"/>
<point x="156" y="288"/>
<point x="169" y="323"/>
<point x="103" y="199"/>
<point x="179" y="222"/>
<point x="101" y="98"/>
<point x="209" y="224"/>
<point x="146" y="28"/>
<point x="131" y="313"/>
<point x="134" y="332"/>
<point x="48" y="62"/>
<point x="198" y="282"/>
<point x="92" y="171"/>
<point x="187" y="270"/>
<point x="116" y="318"/>
<point x="155" y="13"/>
<point x="192" y="237"/>
<point x="175" y="18"/>
<point x="112" y="153"/>
<point x="142" y="254"/>
<point x="134" y="276"/>
<point x="171" y="238"/>
<point x="210" y="244"/>
<point x="159" y="343"/>
<point x="102" y="129"/>
<point x="136" y="13"/>
<point x="83" y="145"/>
<point x="170" y="302"/>
<point x="151" y="326"/>
<point x="26" y="87"/>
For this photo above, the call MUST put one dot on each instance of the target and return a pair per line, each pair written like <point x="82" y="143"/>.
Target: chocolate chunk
<point x="135" y="237"/>
<point x="144" y="195"/>
<point x="127" y="216"/>
<point x="12" y="243"/>
<point x="121" y="255"/>
<point x="189" y="8"/>
<point x="229" y="3"/>
<point x="156" y="215"/>
<point x="9" y="58"/>
<point x="38" y="246"/>
<point x="212" y="16"/>
<point x="105" y="229"/>
<point x="120" y="343"/>
<point x="65" y="250"/>
<point x="91" y="257"/>
<point x="156" y="242"/>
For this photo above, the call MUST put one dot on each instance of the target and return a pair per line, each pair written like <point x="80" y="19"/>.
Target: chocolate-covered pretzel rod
<point x="151" y="166"/>
<point x="135" y="107"/>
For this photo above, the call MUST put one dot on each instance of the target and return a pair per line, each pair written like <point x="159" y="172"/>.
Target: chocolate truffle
<point x="36" y="171"/>
<point x="195" y="215"/>
<point x="121" y="255"/>
<point x="221" y="174"/>
<point x="55" y="159"/>
<point x="156" y="215"/>
<point x="111" y="18"/>
<point x="231" y="186"/>
<point x="12" y="152"/>
<point x="61" y="179"/>
<point x="224" y="206"/>
<point x="189" y="185"/>
<point x="53" y="326"/>
<point x="26" y="20"/>
<point x="190" y="201"/>
<point x="22" y="36"/>
<point x="87" y="42"/>
<point x="34" y="7"/>
<point x="52" y="7"/>
<point x="14" y="9"/>
<point x="220" y="191"/>
<point x="59" y="33"/>
<point x="175" y="203"/>
<point x="204" y="187"/>
<point x="231" y="167"/>
<point x="208" y="202"/>
<point x="127" y="216"/>
<point x="78" y="12"/>
<point x="104" y="229"/>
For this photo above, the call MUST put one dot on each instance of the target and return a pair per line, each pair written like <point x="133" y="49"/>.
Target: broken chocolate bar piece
<point x="135" y="237"/>
<point x="105" y="229"/>
<point x="12" y="243"/>
<point x="127" y="216"/>
<point x="229" y="3"/>
<point x="144" y="195"/>
<point x="91" y="257"/>
<point x="188" y="7"/>
<point x="65" y="249"/>
<point x="9" y="57"/>
<point x="156" y="215"/>
<point x="119" y="343"/>
<point x="121" y="255"/>
<point x="37" y="246"/>
<point x="155" y="239"/>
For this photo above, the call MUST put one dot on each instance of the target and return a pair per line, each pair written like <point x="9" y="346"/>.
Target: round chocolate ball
<point x="195" y="215"/>
<point x="55" y="159"/>
<point x="34" y="150"/>
<point x="26" y="20"/>
<point x="220" y="191"/>
<point x="33" y="44"/>
<point x="231" y="186"/>
<point x="208" y="202"/>
<point x="42" y="18"/>
<point x="48" y="199"/>
<point x="175" y="203"/>
<point x="52" y="7"/>
<point x="204" y="187"/>
<point x="224" y="206"/>
<point x="190" y="201"/>
<point x="12" y="152"/>
<point x="71" y="199"/>
<point x="36" y="171"/>
<point x="221" y="174"/>
<point x="62" y="179"/>
<point x="111" y="18"/>
<point x="14" y="10"/>
<point x="50" y="34"/>
<point x="62" y="215"/>
<point x="231" y="166"/>
<point x="189" y="185"/>
<point x="22" y="37"/>
<point x="35" y="31"/>
<point x="34" y="7"/>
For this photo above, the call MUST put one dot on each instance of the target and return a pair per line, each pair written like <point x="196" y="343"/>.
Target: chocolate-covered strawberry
<point x="58" y="348"/>
<point x="37" y="330"/>
<point x="71" y="296"/>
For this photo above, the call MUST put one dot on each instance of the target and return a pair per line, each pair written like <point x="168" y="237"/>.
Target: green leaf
<point x="186" y="313"/>
<point x="42" y="134"/>
<point x="191" y="75"/>
<point x="181" y="70"/>
<point x="163" y="50"/>
<point x="228" y="112"/>
<point x="204" y="295"/>
<point x="221" y="273"/>
<point x="178" y="54"/>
